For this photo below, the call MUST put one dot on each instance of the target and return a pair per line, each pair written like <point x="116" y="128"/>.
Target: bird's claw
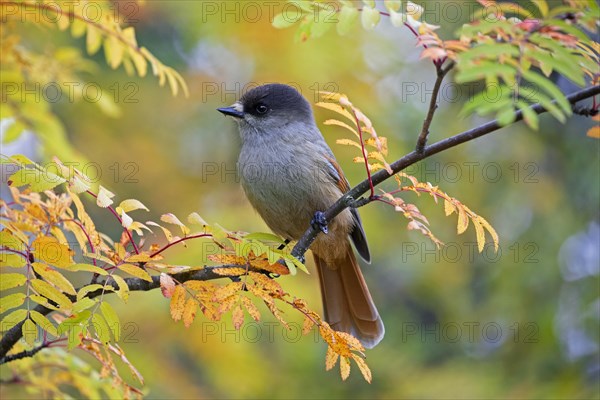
<point x="319" y="222"/>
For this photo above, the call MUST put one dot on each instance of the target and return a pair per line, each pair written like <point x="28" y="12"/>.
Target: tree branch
<point x="350" y="198"/>
<point x="13" y="335"/>
<point x="441" y="74"/>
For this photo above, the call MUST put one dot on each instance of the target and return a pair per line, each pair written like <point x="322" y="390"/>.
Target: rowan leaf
<point x="104" y="198"/>
<point x="330" y="358"/>
<point x="135" y="271"/>
<point x="251" y="308"/>
<point x="112" y="319"/>
<point x="238" y="316"/>
<point x="49" y="250"/>
<point x="101" y="328"/>
<point x="50" y="292"/>
<point x="11" y="301"/>
<point x="12" y="319"/>
<point x="29" y="331"/>
<point x="172" y="219"/>
<point x="177" y="303"/>
<point x="363" y="367"/>
<point x="43" y="322"/>
<point x="54" y="277"/>
<point x="167" y="285"/>
<point x="9" y="281"/>
<point x="189" y="312"/>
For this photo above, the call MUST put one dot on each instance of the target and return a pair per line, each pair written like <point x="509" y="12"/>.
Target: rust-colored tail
<point x="347" y="303"/>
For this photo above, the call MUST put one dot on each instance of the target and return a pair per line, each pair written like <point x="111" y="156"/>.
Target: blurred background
<point x="522" y="323"/>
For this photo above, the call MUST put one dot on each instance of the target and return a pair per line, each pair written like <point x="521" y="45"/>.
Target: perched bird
<point x="290" y="176"/>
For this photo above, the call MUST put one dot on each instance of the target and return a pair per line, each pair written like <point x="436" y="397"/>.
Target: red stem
<point x="92" y="248"/>
<point x="199" y="235"/>
<point x="112" y="210"/>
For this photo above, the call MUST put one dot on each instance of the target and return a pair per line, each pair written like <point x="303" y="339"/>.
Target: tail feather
<point x="347" y="303"/>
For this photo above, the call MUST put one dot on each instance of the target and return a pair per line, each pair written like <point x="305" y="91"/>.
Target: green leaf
<point x="112" y="320"/>
<point x="264" y="237"/>
<point x="11" y="301"/>
<point x="506" y="115"/>
<point x="83" y="304"/>
<point x="12" y="319"/>
<point x="83" y="292"/>
<point x="88" y="268"/>
<point x="36" y="180"/>
<point x="550" y="88"/>
<point x="73" y="321"/>
<point x="483" y="70"/>
<point x="9" y="281"/>
<point x="529" y="116"/>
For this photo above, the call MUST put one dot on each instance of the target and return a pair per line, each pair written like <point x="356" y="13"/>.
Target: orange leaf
<point x="177" y="303"/>
<point x="189" y="312"/>
<point x="167" y="285"/>
<point x="238" y="317"/>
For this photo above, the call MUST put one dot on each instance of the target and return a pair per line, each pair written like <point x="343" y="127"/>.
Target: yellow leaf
<point x="29" y="332"/>
<point x="480" y="235"/>
<point x="338" y="109"/>
<point x="189" y="312"/>
<point x="101" y="328"/>
<point x="238" y="317"/>
<point x="492" y="232"/>
<point x="13" y="319"/>
<point x="12" y="260"/>
<point x="43" y="322"/>
<point x="229" y="271"/>
<point x="113" y="51"/>
<point x="11" y="301"/>
<point x="104" y="198"/>
<point x="131" y="205"/>
<point x="123" y="291"/>
<point x="50" y="292"/>
<point x="195" y="218"/>
<point x="344" y="125"/>
<point x="251" y="308"/>
<point x="177" y="303"/>
<point x="87" y="289"/>
<point x="344" y="368"/>
<point x="135" y="271"/>
<point x="9" y="281"/>
<point x="448" y="207"/>
<point x="93" y="39"/>
<point x="463" y="221"/>
<point x="363" y="367"/>
<point x="54" y="277"/>
<point x="50" y="251"/>
<point x="331" y="358"/>
<point x="307" y="325"/>
<point x="172" y="219"/>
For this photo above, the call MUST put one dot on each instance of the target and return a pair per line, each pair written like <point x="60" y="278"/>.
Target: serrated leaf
<point x="363" y="367"/>
<point x="195" y="218"/>
<point x="93" y="39"/>
<point x="135" y="271"/>
<point x="50" y="292"/>
<point x="54" y="277"/>
<point x="172" y="219"/>
<point x="29" y="332"/>
<point x="12" y="319"/>
<point x="49" y="250"/>
<point x="264" y="237"/>
<point x="237" y="316"/>
<point x="330" y="358"/>
<point x="87" y="268"/>
<point x="344" y="368"/>
<point x="123" y="291"/>
<point x="131" y="205"/>
<point x="83" y="304"/>
<point x="112" y="319"/>
<point x="43" y="322"/>
<point x="189" y="312"/>
<point x="177" y="303"/>
<point x="463" y="221"/>
<point x="104" y="198"/>
<point x="101" y="328"/>
<point x="251" y="308"/>
<point x="9" y="281"/>
<point x="11" y="301"/>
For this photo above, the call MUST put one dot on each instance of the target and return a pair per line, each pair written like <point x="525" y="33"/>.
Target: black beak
<point x="231" y="111"/>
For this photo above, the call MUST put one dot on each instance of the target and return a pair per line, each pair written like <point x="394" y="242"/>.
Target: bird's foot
<point x="319" y="222"/>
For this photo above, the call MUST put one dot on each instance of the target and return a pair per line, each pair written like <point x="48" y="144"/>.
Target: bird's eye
<point x="261" y="108"/>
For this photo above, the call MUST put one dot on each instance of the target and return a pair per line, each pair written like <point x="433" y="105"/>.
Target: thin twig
<point x="441" y="74"/>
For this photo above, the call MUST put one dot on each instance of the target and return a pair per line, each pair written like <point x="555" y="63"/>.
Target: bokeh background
<point x="522" y="323"/>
